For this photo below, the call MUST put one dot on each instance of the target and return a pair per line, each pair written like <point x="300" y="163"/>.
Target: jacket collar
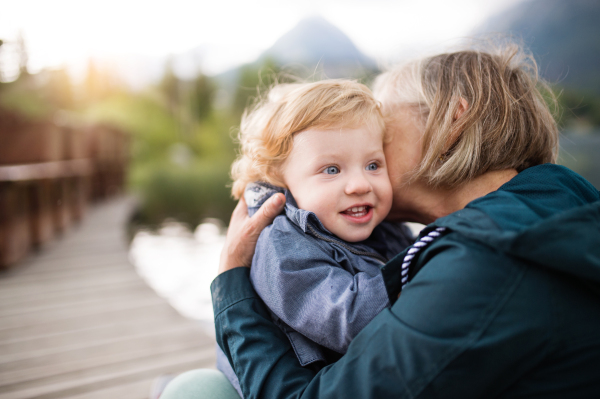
<point x="301" y="217"/>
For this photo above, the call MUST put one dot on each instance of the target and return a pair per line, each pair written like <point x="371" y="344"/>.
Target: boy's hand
<point x="243" y="232"/>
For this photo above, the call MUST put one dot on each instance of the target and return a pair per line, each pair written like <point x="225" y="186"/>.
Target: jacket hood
<point x="547" y="215"/>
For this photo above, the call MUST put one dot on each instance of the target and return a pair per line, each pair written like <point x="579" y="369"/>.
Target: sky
<point x="225" y="33"/>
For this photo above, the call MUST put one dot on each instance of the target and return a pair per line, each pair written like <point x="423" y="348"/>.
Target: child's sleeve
<point x="307" y="287"/>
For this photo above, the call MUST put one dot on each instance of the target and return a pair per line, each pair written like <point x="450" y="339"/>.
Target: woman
<point x="499" y="296"/>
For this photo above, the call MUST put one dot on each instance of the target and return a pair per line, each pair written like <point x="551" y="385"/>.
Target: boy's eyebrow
<point x="337" y="155"/>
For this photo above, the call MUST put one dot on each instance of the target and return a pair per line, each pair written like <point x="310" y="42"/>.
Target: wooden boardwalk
<point x="76" y="321"/>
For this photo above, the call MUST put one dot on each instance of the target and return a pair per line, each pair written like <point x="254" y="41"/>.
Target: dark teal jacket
<point x="507" y="304"/>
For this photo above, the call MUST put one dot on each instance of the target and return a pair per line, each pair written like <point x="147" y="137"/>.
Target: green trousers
<point x="200" y="384"/>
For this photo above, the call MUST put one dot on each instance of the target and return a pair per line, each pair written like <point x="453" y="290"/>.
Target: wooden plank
<point x="75" y="312"/>
<point x="23" y="371"/>
<point x="61" y="286"/>
<point x="72" y="294"/>
<point x="64" y="259"/>
<point x="45" y="303"/>
<point x="24" y="351"/>
<point x="134" y="390"/>
<point x="88" y="269"/>
<point x="106" y="352"/>
<point x="93" y="321"/>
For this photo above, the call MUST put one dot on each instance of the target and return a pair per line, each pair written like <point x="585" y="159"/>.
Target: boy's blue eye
<point x="372" y="166"/>
<point x="332" y="170"/>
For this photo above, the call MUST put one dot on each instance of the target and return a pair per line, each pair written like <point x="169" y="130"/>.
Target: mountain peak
<point x="315" y="41"/>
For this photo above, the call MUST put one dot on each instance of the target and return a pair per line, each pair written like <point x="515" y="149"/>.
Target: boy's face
<point x="341" y="176"/>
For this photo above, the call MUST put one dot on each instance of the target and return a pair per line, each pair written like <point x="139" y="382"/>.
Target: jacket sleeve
<point x="305" y="286"/>
<point x="459" y="330"/>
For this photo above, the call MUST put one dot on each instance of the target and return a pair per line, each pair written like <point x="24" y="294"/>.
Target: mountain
<point x="314" y="47"/>
<point x="316" y="43"/>
<point x="563" y="35"/>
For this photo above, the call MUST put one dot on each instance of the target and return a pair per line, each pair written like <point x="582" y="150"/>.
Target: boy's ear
<point x="463" y="105"/>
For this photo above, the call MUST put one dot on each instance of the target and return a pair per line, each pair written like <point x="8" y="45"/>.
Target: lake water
<point x="180" y="265"/>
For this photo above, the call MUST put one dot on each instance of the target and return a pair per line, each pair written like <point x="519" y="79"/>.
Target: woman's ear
<point x="463" y="105"/>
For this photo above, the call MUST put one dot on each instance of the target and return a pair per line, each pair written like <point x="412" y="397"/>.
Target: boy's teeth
<point x="357" y="209"/>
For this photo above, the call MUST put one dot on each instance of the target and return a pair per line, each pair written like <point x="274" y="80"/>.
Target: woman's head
<point x="475" y="111"/>
<point x="268" y="128"/>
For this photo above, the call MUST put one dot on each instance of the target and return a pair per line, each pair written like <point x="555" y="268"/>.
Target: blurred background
<point x="137" y="103"/>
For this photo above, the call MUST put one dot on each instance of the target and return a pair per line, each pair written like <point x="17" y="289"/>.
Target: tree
<point x="170" y="87"/>
<point x="201" y="97"/>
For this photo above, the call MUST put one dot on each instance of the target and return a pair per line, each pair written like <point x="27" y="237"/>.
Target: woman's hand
<point x="243" y="232"/>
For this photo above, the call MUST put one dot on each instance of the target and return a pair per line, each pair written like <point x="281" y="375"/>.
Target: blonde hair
<point x="268" y="128"/>
<point x="507" y="123"/>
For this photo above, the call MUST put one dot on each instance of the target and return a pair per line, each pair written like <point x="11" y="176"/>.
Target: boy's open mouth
<point x="357" y="211"/>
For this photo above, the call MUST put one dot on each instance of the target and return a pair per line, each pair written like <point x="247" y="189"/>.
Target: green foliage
<point x="25" y="102"/>
<point x="181" y="149"/>
<point x="202" y="93"/>
<point x="579" y="107"/>
<point x="39" y="96"/>
<point x="150" y="124"/>
<point x="170" y="88"/>
<point x="187" y="194"/>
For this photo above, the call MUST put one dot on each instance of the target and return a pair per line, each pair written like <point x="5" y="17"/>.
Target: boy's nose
<point x="358" y="185"/>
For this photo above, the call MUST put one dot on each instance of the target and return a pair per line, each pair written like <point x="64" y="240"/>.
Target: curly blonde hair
<point x="268" y="128"/>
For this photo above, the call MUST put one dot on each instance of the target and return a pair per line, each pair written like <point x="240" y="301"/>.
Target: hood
<point x="547" y="215"/>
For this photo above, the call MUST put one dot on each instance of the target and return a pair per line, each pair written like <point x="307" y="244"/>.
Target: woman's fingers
<point x="243" y="232"/>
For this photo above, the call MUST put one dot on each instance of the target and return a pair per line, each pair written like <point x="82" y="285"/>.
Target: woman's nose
<point x="358" y="185"/>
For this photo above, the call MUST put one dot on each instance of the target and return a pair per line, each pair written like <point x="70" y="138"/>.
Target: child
<point x="317" y="267"/>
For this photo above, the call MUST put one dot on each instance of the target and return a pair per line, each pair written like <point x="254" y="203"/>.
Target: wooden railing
<point x="48" y="175"/>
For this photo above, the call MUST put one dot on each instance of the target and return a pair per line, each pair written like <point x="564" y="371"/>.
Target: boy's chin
<point x="356" y="236"/>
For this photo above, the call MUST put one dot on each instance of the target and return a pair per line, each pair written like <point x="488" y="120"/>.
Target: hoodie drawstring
<point x="416" y="248"/>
